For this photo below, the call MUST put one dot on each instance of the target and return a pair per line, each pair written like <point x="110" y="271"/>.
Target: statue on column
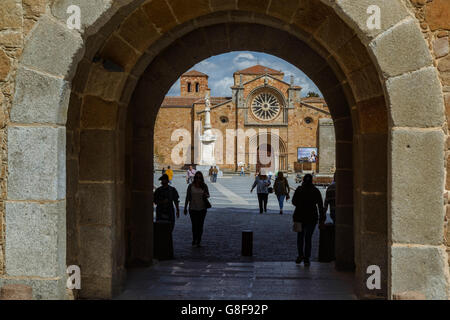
<point x="208" y="139"/>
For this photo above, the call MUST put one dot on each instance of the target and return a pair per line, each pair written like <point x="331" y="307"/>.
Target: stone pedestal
<point x="327" y="147"/>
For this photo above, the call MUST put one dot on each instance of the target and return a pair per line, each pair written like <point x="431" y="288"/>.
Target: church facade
<point x="264" y="124"/>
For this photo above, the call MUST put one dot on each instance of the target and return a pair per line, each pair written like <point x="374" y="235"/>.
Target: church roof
<point x="194" y="73"/>
<point x="190" y="101"/>
<point x="259" y="69"/>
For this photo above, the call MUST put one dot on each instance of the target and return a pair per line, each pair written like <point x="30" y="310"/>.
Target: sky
<point x="220" y="69"/>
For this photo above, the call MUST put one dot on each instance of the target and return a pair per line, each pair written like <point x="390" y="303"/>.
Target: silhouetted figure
<point x="165" y="197"/>
<point x="330" y="200"/>
<point x="308" y="206"/>
<point x="197" y="200"/>
<point x="262" y="184"/>
<point x="282" y="189"/>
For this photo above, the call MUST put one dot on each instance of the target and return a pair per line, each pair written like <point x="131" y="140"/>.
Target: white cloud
<point x="244" y="60"/>
<point x="223" y="87"/>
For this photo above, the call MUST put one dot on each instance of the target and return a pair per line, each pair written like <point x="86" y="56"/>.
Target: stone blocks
<point x="417" y="210"/>
<point x="401" y="49"/>
<point x="97" y="155"/>
<point x="40" y="98"/>
<point x="355" y="13"/>
<point x="417" y="93"/>
<point x="99" y="114"/>
<point x="16" y="292"/>
<point x="97" y="203"/>
<point x="53" y="48"/>
<point x="35" y="239"/>
<point x="94" y="13"/>
<point x="420" y="268"/>
<point x="43" y="289"/>
<point x="37" y="163"/>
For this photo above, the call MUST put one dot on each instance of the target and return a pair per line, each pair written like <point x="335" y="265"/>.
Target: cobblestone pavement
<point x="234" y="210"/>
<point x="238" y="281"/>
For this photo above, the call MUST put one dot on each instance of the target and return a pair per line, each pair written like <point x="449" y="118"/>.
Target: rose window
<point x="265" y="106"/>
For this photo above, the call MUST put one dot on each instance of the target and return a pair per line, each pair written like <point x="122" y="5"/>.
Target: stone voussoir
<point x="401" y="49"/>
<point x="53" y="48"/>
<point x="357" y="14"/>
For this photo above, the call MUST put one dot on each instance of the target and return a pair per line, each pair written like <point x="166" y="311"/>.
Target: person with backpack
<point x="197" y="204"/>
<point x="282" y="189"/>
<point x="308" y="212"/>
<point x="165" y="197"/>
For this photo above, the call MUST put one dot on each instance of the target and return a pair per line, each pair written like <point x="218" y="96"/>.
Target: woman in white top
<point x="197" y="200"/>
<point x="262" y="184"/>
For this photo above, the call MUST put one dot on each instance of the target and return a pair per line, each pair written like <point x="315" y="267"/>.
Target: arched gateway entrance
<point x="104" y="86"/>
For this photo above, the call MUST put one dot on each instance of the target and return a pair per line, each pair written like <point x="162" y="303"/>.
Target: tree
<point x="312" y="94"/>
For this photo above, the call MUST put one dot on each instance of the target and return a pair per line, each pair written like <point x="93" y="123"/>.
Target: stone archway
<point x="372" y="94"/>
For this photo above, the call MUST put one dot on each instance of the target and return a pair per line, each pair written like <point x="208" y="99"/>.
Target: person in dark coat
<point x="308" y="211"/>
<point x="165" y="197"/>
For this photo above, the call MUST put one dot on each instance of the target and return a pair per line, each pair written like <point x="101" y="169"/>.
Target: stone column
<point x="326" y="146"/>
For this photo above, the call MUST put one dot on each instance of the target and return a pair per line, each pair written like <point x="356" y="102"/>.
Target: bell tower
<point x="194" y="84"/>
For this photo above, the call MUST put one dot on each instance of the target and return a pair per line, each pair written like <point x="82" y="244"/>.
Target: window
<point x="309" y="120"/>
<point x="189" y="87"/>
<point x="197" y="87"/>
<point x="224" y="119"/>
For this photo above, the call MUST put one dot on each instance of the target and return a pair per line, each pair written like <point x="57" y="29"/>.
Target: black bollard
<point x="247" y="243"/>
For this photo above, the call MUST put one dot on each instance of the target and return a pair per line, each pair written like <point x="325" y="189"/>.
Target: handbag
<point x="270" y="190"/>
<point x="297" y="227"/>
<point x="207" y="203"/>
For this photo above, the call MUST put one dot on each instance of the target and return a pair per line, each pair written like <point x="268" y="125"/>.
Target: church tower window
<point x="197" y="87"/>
<point x="189" y="89"/>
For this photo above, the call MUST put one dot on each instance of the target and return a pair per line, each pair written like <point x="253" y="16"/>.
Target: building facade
<point x="270" y="119"/>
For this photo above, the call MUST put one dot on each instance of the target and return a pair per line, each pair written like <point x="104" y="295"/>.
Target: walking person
<point x="308" y="204"/>
<point x="262" y="184"/>
<point x="330" y="200"/>
<point x="242" y="171"/>
<point x="165" y="197"/>
<point x="197" y="201"/>
<point x="190" y="175"/>
<point x="169" y="173"/>
<point x="282" y="189"/>
<point x="215" y="174"/>
<point x="210" y="174"/>
<point x="163" y="171"/>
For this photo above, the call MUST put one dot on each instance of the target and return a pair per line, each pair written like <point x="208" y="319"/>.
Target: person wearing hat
<point x="165" y="197"/>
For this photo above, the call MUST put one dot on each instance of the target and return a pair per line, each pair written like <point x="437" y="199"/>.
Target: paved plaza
<point x="180" y="280"/>
<point x="234" y="210"/>
<point x="217" y="271"/>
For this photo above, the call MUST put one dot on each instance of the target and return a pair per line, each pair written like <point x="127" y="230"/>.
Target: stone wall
<point x="434" y="18"/>
<point x="17" y="17"/>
